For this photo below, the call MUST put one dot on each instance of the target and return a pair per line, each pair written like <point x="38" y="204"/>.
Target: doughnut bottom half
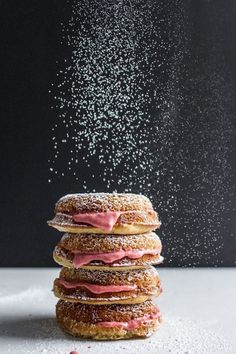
<point x="86" y="328"/>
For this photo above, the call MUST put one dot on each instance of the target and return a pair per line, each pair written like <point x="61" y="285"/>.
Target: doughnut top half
<point x="101" y="202"/>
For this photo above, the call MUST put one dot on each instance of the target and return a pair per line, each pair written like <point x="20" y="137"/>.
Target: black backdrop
<point x="30" y="46"/>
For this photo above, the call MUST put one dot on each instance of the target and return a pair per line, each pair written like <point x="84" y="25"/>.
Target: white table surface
<point x="198" y="306"/>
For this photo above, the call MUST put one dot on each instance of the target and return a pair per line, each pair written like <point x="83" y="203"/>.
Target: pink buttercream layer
<point x="104" y="221"/>
<point x="133" y="324"/>
<point x="81" y="259"/>
<point x="97" y="289"/>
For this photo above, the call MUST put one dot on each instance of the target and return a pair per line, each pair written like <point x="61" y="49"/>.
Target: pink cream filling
<point x="133" y="324"/>
<point x="81" y="259"/>
<point x="104" y="221"/>
<point x="97" y="289"/>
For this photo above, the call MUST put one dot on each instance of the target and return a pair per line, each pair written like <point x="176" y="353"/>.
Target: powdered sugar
<point x="136" y="111"/>
<point x="30" y="294"/>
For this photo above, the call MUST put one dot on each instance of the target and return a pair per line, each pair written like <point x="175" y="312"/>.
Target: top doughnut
<point x="111" y="213"/>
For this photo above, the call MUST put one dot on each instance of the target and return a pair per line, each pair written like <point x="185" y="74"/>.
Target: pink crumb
<point x="74" y="352"/>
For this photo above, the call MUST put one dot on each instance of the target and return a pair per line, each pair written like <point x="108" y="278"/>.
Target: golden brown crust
<point x="101" y="202"/>
<point x="83" y="320"/>
<point x="146" y="281"/>
<point x="145" y="278"/>
<point x="98" y="313"/>
<point x="92" y="243"/>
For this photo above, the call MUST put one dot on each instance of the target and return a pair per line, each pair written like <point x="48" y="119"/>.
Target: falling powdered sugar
<point x="139" y="109"/>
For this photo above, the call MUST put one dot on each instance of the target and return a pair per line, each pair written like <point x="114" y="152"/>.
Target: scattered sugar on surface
<point x="23" y="295"/>
<point x="137" y="110"/>
<point x="176" y="336"/>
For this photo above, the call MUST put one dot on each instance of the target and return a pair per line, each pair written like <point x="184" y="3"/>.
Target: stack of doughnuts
<point x="107" y="278"/>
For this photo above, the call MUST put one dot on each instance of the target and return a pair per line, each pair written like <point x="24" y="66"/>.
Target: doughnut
<point x="108" y="322"/>
<point x="108" y="252"/>
<point x="105" y="213"/>
<point x="103" y="288"/>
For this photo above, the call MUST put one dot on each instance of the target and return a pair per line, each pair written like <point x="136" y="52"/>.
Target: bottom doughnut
<point x="108" y="322"/>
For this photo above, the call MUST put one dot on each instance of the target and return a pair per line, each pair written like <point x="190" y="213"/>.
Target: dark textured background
<point x="30" y="46"/>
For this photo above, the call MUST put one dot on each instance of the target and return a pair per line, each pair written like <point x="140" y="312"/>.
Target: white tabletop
<point x="198" y="306"/>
